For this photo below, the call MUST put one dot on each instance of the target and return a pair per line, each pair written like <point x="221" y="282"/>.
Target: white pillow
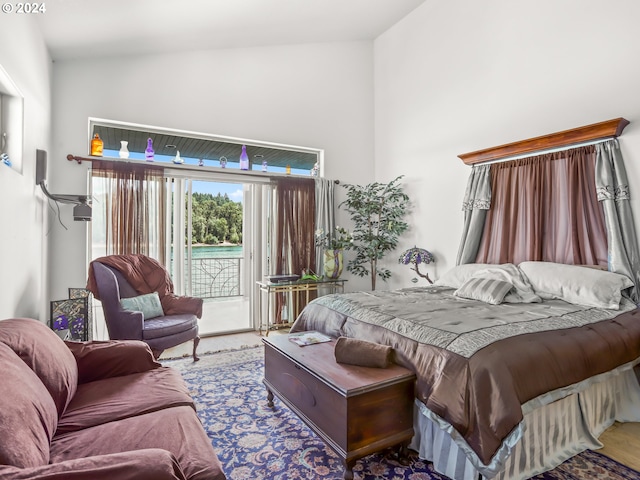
<point x="576" y="284"/>
<point x="458" y="275"/>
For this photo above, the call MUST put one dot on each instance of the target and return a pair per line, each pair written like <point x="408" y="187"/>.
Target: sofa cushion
<point x="116" y="398"/>
<point x="177" y="430"/>
<point x="28" y="416"/>
<point x="169" y="325"/>
<point x="46" y="354"/>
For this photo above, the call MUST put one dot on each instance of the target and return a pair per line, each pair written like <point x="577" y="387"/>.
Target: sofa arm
<point x="148" y="464"/>
<point x="111" y="358"/>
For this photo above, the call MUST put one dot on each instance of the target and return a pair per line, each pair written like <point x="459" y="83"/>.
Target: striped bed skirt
<point x="556" y="426"/>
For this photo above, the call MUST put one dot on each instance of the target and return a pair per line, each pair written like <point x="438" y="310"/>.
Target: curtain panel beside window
<point x="294" y="232"/>
<point x="133" y="208"/>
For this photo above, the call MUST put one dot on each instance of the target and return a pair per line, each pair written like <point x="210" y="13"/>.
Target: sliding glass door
<point x="216" y="248"/>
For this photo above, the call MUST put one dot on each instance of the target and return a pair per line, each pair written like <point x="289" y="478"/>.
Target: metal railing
<point x="216" y="277"/>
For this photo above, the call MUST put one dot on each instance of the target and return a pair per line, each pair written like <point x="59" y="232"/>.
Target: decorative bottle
<point x="124" y="151"/>
<point x="96" y="146"/>
<point x="148" y="153"/>
<point x="264" y="165"/>
<point x="287" y="169"/>
<point x="178" y="159"/>
<point x="244" y="159"/>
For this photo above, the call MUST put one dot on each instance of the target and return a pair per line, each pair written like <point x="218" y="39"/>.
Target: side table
<point x="291" y="289"/>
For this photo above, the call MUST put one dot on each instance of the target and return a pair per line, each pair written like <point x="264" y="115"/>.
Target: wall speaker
<point x="82" y="213"/>
<point x="41" y="166"/>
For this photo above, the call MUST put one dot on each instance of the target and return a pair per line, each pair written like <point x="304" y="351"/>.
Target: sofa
<point x="94" y="410"/>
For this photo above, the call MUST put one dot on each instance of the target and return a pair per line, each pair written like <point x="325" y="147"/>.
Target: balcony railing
<point x="216" y="277"/>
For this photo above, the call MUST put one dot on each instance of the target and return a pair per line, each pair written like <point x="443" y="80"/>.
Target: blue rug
<point x="255" y="442"/>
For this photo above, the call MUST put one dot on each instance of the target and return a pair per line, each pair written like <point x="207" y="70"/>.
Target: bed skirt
<point x="552" y="431"/>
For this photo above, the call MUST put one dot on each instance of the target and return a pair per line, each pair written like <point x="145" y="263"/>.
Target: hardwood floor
<point x="621" y="441"/>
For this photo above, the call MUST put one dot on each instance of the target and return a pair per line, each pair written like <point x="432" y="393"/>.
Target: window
<point x="216" y="221"/>
<point x="202" y="149"/>
<point x="11" y="123"/>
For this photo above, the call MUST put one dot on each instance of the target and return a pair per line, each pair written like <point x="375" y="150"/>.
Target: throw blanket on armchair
<point x="146" y="275"/>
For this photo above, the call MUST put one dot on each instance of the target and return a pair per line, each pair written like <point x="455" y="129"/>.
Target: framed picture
<point x="84" y="293"/>
<point x="73" y="315"/>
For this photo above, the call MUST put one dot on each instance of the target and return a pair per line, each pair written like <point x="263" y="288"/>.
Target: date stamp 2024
<point x="24" y="8"/>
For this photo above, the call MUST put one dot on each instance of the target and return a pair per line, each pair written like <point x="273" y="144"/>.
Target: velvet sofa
<point x="94" y="410"/>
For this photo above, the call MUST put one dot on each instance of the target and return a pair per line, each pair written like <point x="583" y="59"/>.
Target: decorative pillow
<point x="486" y="290"/>
<point x="459" y="274"/>
<point x="149" y="304"/>
<point x="576" y="284"/>
<point x="521" y="292"/>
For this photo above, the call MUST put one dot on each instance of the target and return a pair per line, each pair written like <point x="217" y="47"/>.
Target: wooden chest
<point x="355" y="410"/>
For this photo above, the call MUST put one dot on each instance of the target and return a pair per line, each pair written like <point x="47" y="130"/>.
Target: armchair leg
<point x="196" y="341"/>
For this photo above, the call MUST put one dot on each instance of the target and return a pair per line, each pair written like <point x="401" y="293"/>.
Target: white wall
<point x="22" y="239"/>
<point x="459" y="76"/>
<point x="316" y="95"/>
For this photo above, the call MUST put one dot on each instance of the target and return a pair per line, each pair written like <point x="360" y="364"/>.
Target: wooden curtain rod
<point x="609" y="129"/>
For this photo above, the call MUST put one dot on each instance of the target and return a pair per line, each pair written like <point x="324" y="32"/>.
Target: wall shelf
<point x="246" y="174"/>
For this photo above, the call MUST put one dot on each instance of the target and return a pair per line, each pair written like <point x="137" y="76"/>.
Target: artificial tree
<point x="377" y="211"/>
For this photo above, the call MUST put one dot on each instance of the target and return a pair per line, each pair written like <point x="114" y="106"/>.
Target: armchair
<point x="115" y="277"/>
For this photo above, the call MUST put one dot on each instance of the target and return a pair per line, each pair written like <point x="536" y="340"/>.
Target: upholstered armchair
<point x="119" y="281"/>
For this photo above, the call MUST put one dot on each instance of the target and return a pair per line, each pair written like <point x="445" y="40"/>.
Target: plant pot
<point x="333" y="263"/>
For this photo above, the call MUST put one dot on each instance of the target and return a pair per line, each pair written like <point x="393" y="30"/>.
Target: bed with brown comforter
<point x="477" y="363"/>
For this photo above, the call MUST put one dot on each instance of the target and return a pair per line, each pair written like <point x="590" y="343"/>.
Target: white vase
<point x="124" y="151"/>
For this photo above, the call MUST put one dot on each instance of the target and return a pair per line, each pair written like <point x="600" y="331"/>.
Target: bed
<point x="518" y="367"/>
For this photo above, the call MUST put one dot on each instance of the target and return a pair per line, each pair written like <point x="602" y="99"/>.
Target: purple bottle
<point x="244" y="159"/>
<point x="148" y="153"/>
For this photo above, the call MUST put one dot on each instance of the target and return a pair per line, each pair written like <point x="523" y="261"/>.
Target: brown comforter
<point x="146" y="275"/>
<point x="481" y="396"/>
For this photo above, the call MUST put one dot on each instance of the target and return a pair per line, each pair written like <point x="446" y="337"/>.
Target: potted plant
<point x="377" y="211"/>
<point x="333" y="244"/>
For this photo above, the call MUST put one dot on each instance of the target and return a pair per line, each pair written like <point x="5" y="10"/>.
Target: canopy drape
<point x="570" y="206"/>
<point x="613" y="193"/>
<point x="477" y="200"/>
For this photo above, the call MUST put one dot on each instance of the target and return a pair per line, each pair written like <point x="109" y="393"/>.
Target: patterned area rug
<point x="255" y="442"/>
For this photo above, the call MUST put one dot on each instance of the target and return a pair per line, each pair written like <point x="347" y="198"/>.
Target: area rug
<point x="255" y="442"/>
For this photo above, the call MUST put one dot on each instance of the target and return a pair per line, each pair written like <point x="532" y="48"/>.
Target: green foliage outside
<point x="377" y="212"/>
<point x="216" y="219"/>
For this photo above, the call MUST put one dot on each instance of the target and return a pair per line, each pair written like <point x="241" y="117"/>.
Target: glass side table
<point x="297" y="295"/>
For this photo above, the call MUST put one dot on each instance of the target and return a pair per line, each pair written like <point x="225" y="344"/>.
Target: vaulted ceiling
<point x="75" y="29"/>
